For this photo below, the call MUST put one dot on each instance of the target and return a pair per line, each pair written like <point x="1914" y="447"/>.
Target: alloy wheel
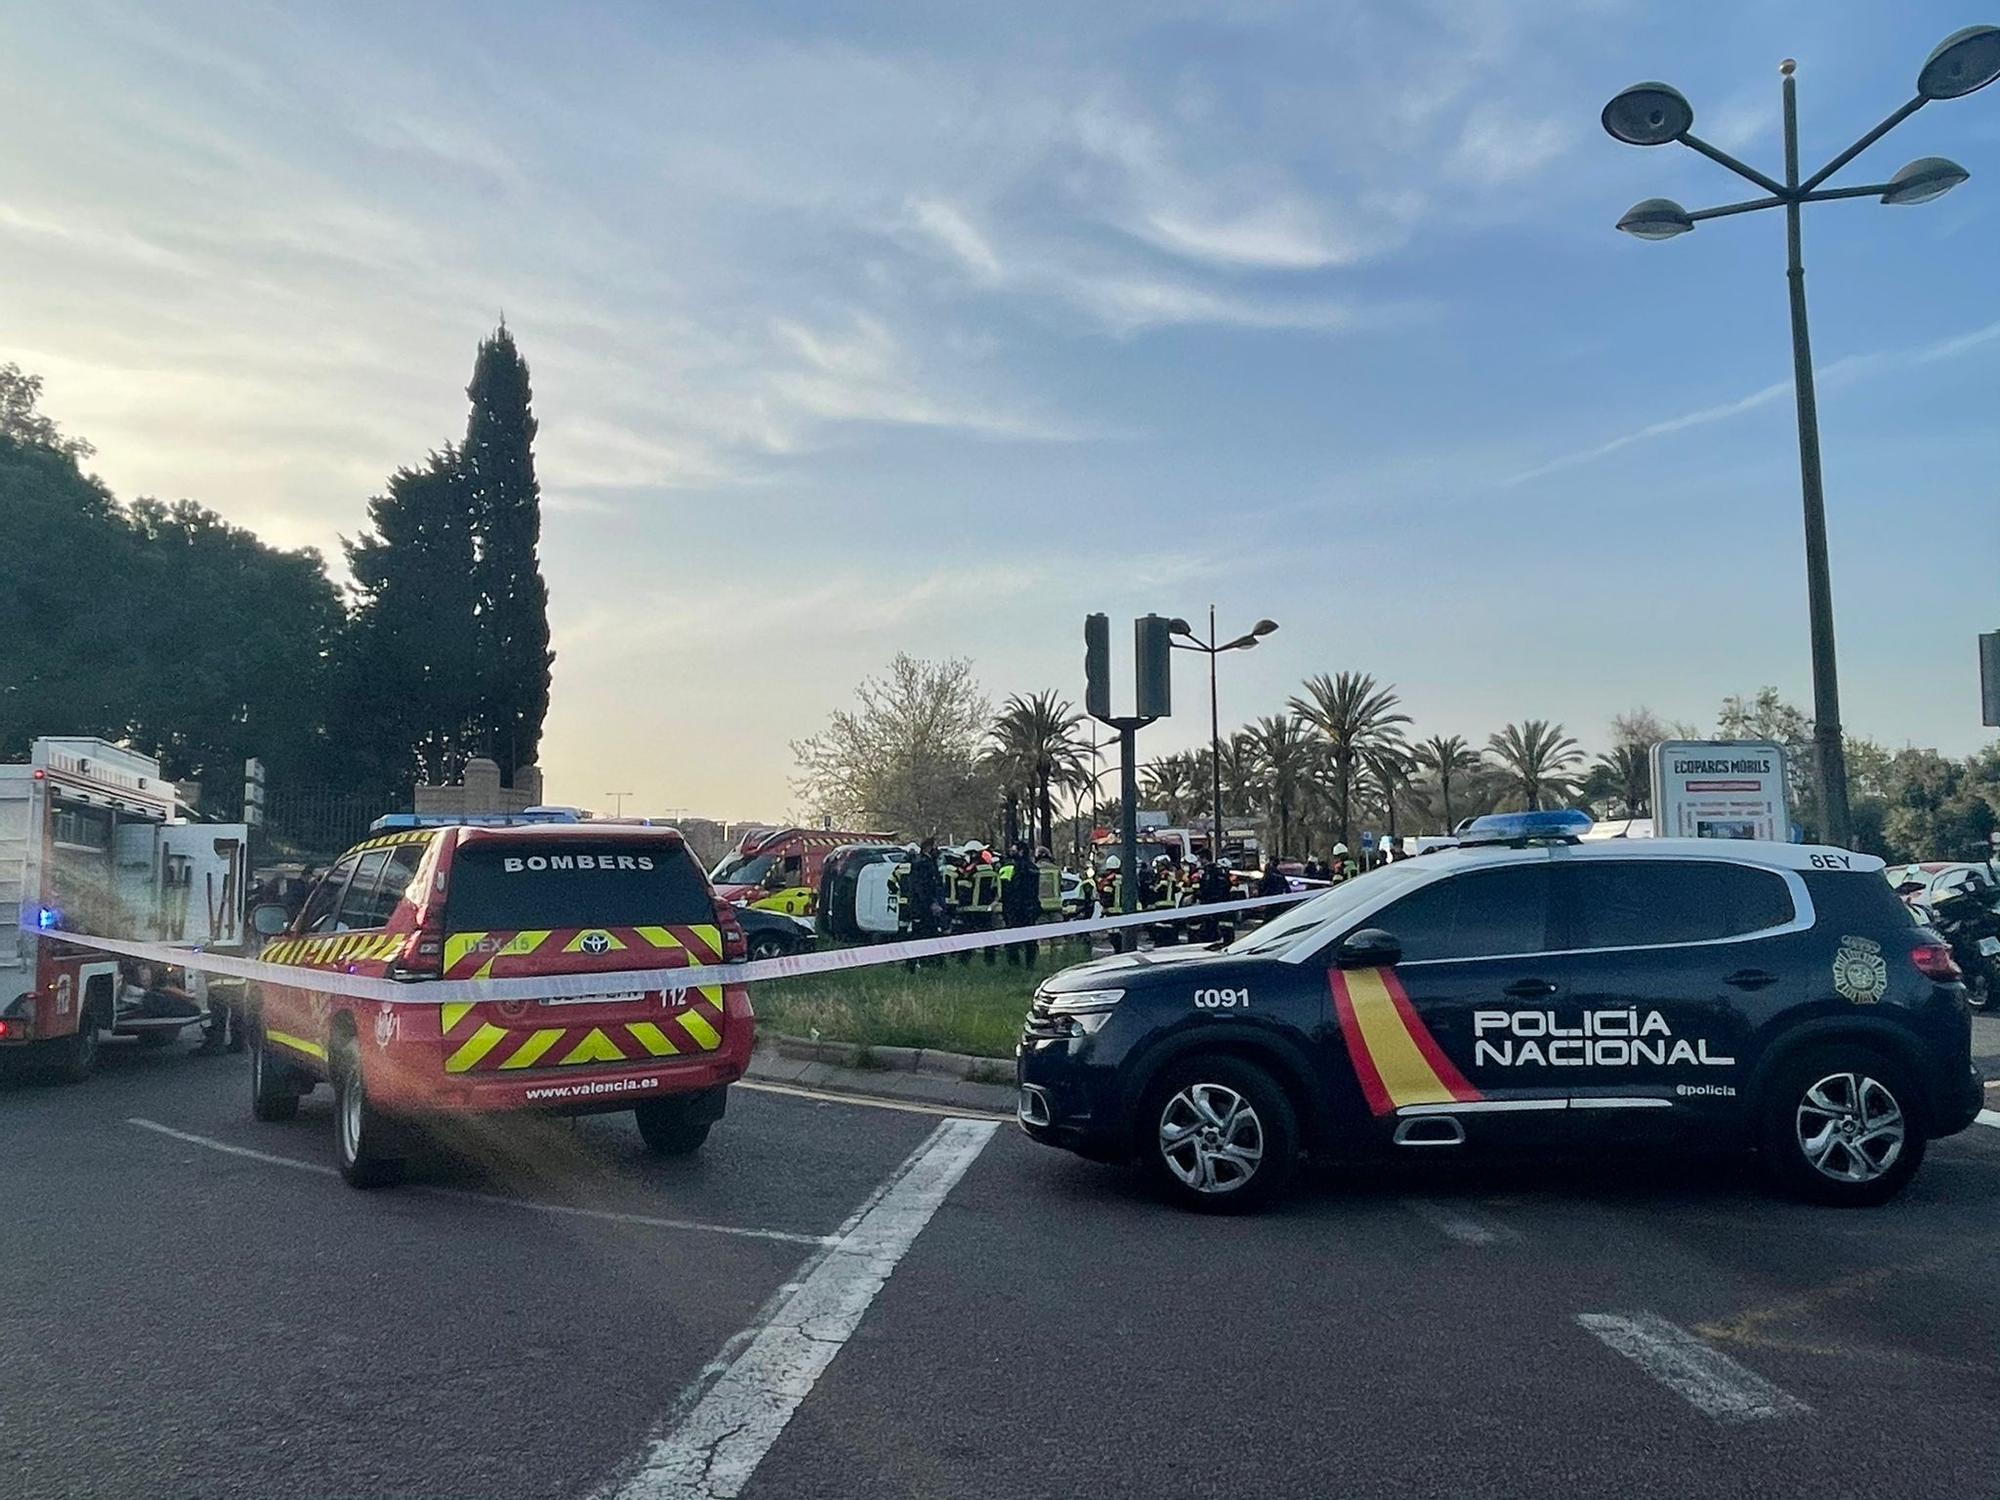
<point x="1211" y="1138"/>
<point x="1850" y="1127"/>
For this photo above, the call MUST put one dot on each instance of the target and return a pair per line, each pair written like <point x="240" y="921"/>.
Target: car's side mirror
<point x="1369" y="948"/>
<point x="269" y="919"/>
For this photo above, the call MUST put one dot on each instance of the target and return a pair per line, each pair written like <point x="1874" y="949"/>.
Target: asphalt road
<point x="550" y="1312"/>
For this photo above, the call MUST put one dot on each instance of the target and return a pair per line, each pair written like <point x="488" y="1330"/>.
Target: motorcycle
<point x="1965" y="918"/>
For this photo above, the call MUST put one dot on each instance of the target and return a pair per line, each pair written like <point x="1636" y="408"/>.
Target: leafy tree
<point x="1446" y="757"/>
<point x="1040" y="751"/>
<point x="505" y="504"/>
<point x="906" y="758"/>
<point x="1353" y="713"/>
<point x="412" y="652"/>
<point x="1538" y="759"/>
<point x="23" y="423"/>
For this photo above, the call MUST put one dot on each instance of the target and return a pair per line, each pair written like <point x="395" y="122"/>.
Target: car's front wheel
<point x="1840" y="1127"/>
<point x="769" y="945"/>
<point x="1219" y="1134"/>
<point x="364" y="1143"/>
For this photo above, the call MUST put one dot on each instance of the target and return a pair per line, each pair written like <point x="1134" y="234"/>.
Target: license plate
<point x="630" y="998"/>
<point x="1989" y="947"/>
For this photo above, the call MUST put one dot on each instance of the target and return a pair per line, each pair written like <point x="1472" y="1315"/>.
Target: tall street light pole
<point x="1186" y="640"/>
<point x="1653" y="114"/>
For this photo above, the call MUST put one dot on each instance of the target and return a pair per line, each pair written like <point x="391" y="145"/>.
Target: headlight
<point x="1084" y="1002"/>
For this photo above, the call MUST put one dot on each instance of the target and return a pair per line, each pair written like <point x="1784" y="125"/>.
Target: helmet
<point x="1340" y="848"/>
<point x="1110" y="862"/>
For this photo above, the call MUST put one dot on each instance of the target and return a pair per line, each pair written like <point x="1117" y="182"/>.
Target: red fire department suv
<point x="421" y="905"/>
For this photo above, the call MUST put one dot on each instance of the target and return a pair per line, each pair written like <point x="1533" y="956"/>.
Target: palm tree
<point x="1167" y="783"/>
<point x="1353" y="713"/>
<point x="1538" y="758"/>
<point x="1626" y="772"/>
<point x="1284" y="759"/>
<point x="1388" y="767"/>
<point x="1444" y="756"/>
<point x="1038" y="749"/>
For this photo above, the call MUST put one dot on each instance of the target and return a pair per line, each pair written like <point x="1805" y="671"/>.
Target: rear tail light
<point x="735" y="947"/>
<point x="422" y="956"/>
<point x="1934" y="961"/>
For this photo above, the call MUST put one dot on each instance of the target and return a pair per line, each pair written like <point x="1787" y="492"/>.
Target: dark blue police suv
<point x="1529" y="989"/>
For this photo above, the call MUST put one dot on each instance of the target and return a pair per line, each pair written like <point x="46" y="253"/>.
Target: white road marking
<point x="738" y="1406"/>
<point x="870" y="1101"/>
<point x="1708" y="1380"/>
<point x="1467" y="1229"/>
<point x="1989" y="1117"/>
<point x="609" y="1216"/>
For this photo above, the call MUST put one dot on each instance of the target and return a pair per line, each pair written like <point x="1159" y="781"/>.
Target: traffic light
<point x="1097" y="666"/>
<point x="1152" y="650"/>
<point x="1989" y="678"/>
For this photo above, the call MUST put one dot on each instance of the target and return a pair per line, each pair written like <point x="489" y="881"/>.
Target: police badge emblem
<point x="1859" y="973"/>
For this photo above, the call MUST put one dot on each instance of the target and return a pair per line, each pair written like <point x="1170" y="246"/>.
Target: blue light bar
<point x="1557" y="825"/>
<point x="48" y="919"/>
<point x="390" y="821"/>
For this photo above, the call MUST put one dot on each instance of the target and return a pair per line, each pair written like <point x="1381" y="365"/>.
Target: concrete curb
<point x="770" y="1064"/>
<point x="862" y="1057"/>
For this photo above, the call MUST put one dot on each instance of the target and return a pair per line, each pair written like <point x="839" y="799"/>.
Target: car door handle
<point x="1530" y="989"/>
<point x="1751" y="979"/>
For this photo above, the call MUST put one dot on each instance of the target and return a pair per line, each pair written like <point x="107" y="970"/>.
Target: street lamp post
<point x="1187" y="640"/>
<point x="1653" y="114"/>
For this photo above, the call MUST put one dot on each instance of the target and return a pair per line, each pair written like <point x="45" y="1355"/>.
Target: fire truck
<point x="778" y="869"/>
<point x="91" y="841"/>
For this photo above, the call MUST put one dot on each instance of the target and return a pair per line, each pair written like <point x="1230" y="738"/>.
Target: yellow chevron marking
<point x="653" y="1039"/>
<point x="595" y="1047"/>
<point x="612" y="944"/>
<point x="481" y="1042"/>
<point x="695" y="1024"/>
<point x="454" y="1012"/>
<point x="659" y="937"/>
<point x="530" y="1051"/>
<point x="459" y="944"/>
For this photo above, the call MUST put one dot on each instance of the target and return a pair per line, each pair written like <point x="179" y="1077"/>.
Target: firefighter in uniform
<point x="1214" y="887"/>
<point x="923" y="896"/>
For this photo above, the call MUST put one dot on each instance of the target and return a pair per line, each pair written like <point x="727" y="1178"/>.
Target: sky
<point x="866" y="328"/>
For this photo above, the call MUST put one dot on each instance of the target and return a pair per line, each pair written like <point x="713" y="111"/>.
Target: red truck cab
<point x="424" y="905"/>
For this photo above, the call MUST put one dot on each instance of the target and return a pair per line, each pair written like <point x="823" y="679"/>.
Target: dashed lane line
<point x="561" y="1210"/>
<point x="1707" y="1379"/>
<point x="737" y="1408"/>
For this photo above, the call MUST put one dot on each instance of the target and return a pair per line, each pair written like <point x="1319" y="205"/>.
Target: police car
<point x="1525" y="989"/>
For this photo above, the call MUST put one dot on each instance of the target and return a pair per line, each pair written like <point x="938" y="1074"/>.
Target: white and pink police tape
<point x="567" y="986"/>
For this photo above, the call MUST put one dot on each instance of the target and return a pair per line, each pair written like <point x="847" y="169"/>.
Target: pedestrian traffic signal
<point x="1097" y="666"/>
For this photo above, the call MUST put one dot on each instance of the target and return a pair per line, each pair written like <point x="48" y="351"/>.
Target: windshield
<point x="743" y="869"/>
<point x="1329" y="908"/>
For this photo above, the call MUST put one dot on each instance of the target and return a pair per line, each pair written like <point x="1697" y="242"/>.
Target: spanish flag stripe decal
<point x="1357" y="1050"/>
<point x="1396" y="1059"/>
<point x="1445" y="1069"/>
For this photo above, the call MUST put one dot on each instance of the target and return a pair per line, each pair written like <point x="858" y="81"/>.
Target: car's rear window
<point x="524" y="886"/>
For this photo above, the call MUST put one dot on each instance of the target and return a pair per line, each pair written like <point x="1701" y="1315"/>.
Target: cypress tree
<point x="506" y="516"/>
<point x="410" y="672"/>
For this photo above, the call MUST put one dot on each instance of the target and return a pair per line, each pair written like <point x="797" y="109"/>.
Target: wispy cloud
<point x="1844" y="371"/>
